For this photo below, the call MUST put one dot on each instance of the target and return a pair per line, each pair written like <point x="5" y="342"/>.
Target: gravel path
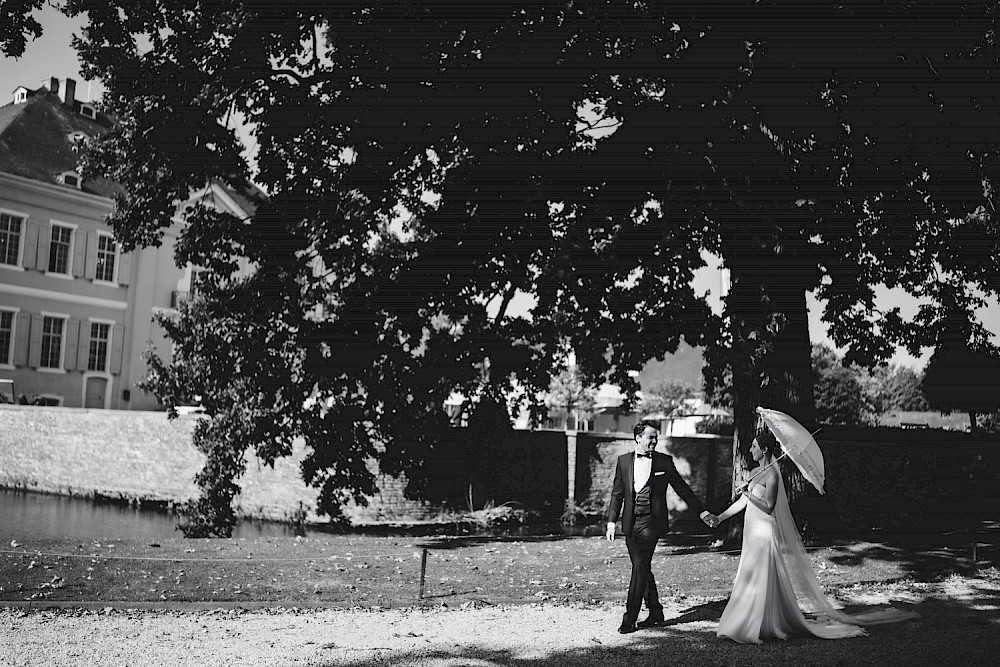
<point x="966" y="610"/>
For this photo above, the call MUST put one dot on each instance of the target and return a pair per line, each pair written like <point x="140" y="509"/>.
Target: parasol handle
<point x="752" y="478"/>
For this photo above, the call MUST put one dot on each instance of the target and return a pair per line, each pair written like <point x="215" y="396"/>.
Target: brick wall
<point x="693" y="456"/>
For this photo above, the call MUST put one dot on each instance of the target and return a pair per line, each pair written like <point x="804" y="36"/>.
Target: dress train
<point x="774" y="568"/>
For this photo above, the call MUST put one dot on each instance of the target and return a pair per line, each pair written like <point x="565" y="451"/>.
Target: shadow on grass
<point x="683" y="541"/>
<point x="915" y="561"/>
<point x="444" y="542"/>
<point x="950" y="631"/>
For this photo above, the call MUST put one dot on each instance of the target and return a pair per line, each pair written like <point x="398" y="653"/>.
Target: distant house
<point x="76" y="313"/>
<point x="956" y="421"/>
<point x="609" y="415"/>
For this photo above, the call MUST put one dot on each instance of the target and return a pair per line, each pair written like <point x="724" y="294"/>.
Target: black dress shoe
<point x="651" y="621"/>
<point x="627" y="626"/>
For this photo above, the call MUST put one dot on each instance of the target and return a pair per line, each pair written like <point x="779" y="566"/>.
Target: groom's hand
<point x="610" y="532"/>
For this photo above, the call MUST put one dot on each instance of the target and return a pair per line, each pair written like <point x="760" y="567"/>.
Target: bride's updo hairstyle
<point x="768" y="442"/>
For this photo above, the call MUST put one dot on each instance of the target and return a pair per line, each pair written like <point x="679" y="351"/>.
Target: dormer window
<point x="20" y="95"/>
<point x="77" y="137"/>
<point x="70" y="178"/>
<point x="89" y="111"/>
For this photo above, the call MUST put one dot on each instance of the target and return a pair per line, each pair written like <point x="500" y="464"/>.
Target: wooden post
<point x="423" y="571"/>
<point x="711" y="474"/>
<point x="571" y="466"/>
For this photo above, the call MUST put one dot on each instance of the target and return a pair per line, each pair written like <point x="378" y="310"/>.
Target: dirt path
<point x="958" y="625"/>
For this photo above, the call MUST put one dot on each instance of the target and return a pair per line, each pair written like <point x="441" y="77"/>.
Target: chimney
<point x="67" y="92"/>
<point x="51" y="85"/>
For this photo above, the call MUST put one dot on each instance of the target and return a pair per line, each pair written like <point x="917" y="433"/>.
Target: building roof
<point x="35" y="143"/>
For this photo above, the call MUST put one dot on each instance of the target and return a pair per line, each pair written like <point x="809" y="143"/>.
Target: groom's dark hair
<point x="638" y="429"/>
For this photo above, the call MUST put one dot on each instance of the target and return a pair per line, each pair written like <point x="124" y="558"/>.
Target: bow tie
<point x="644" y="456"/>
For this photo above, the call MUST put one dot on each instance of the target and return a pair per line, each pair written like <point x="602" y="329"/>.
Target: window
<point x="88" y="111"/>
<point x="198" y="277"/>
<point x="78" y="137"/>
<point x="52" y="338"/>
<point x="70" y="178"/>
<point x="62" y="239"/>
<point x="100" y="336"/>
<point x="48" y="400"/>
<point x="6" y="336"/>
<point x="105" y="258"/>
<point x="20" y="96"/>
<point x="10" y="238"/>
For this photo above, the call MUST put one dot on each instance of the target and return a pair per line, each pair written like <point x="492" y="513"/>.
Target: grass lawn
<point x="385" y="571"/>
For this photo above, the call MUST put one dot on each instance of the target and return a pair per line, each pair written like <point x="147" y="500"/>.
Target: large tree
<point x="583" y="153"/>
<point x="963" y="373"/>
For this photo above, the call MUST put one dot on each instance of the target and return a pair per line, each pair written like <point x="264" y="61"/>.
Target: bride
<point x="774" y="567"/>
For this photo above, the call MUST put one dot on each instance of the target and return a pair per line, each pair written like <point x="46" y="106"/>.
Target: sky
<point x="53" y="56"/>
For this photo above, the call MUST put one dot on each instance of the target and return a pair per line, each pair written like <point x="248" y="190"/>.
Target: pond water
<point x="25" y="515"/>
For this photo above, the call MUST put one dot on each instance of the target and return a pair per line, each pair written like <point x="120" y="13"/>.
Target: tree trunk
<point x="779" y="377"/>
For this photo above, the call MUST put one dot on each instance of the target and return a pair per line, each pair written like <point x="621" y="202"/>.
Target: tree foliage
<point x="585" y="154"/>
<point x="961" y="374"/>
<point x="18" y="25"/>
<point x="569" y="395"/>
<point x="839" y="392"/>
<point x="895" y="387"/>
<point x="965" y="380"/>
<point x="668" y="398"/>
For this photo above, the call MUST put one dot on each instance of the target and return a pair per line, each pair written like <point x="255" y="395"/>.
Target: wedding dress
<point x="774" y="574"/>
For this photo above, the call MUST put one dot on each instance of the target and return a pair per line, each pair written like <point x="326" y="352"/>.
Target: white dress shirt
<point x="640" y="472"/>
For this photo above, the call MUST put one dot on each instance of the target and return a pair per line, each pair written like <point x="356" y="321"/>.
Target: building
<point x="76" y="313"/>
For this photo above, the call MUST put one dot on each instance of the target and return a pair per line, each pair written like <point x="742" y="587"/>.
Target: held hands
<point x="711" y="520"/>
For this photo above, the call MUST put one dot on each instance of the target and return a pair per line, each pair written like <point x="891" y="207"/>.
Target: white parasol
<point x="798" y="444"/>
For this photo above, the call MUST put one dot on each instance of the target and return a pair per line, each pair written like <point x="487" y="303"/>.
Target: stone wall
<point x="694" y="456"/>
<point x="903" y="480"/>
<point x="135" y="456"/>
<point x="144" y="457"/>
<point x="882" y="478"/>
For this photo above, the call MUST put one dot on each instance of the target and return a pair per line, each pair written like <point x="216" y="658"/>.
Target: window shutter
<point x="72" y="336"/>
<point x="124" y="267"/>
<point x="44" y="241"/>
<point x="83" y="349"/>
<point x="35" y="343"/>
<point x="30" y="243"/>
<point x="117" y="345"/>
<point x="21" y="340"/>
<point x="91" y="270"/>
<point x="79" y="252"/>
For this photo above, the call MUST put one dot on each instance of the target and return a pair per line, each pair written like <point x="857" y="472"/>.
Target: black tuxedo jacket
<point x="663" y="474"/>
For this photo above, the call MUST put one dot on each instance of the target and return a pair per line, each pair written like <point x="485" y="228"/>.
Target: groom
<point x="641" y="480"/>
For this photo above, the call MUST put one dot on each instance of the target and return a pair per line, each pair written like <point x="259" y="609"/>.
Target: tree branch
<point x="506" y="302"/>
